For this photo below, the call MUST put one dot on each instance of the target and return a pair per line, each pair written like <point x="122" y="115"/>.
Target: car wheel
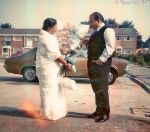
<point x="29" y="74"/>
<point x="112" y="77"/>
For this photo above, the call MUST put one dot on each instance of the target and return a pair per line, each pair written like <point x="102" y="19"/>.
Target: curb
<point x="139" y="82"/>
<point x="1" y="60"/>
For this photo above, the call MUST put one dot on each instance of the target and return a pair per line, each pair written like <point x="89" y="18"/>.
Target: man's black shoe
<point x="101" y="118"/>
<point x="93" y="115"/>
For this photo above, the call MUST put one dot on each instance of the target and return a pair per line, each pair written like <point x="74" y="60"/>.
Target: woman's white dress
<point x="53" y="104"/>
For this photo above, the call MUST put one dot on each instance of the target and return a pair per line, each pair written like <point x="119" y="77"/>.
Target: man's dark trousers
<point x="99" y="73"/>
<point x="99" y="80"/>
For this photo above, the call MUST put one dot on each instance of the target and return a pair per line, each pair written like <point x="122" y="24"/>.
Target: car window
<point x="31" y="52"/>
<point x="82" y="53"/>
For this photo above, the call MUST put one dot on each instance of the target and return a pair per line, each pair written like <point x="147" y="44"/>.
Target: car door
<point x="81" y="68"/>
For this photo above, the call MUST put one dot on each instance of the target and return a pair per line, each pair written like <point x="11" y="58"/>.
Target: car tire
<point x="112" y="77"/>
<point x="29" y="74"/>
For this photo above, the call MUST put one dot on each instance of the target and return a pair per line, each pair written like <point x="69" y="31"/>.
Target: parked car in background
<point x="25" y="65"/>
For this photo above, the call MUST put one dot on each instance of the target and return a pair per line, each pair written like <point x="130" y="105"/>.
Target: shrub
<point x="139" y="59"/>
<point x="147" y="59"/>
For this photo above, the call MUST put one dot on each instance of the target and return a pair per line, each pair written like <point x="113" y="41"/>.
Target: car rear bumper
<point x="5" y="66"/>
<point x="126" y="70"/>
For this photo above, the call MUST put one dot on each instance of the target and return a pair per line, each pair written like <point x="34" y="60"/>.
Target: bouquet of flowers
<point x="70" y="61"/>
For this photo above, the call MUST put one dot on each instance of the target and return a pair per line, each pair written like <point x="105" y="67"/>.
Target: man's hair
<point x="97" y="16"/>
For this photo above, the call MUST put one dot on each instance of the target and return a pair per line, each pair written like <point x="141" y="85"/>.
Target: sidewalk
<point x="140" y="74"/>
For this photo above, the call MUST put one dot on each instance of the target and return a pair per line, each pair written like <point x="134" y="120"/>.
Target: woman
<point x="48" y="59"/>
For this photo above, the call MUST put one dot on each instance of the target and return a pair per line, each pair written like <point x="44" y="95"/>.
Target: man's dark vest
<point x="96" y="45"/>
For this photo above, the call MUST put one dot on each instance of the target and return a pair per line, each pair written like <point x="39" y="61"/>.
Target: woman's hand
<point x="68" y="67"/>
<point x="64" y="62"/>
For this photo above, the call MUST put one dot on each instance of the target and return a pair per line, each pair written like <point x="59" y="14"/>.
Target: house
<point x="16" y="41"/>
<point x="126" y="40"/>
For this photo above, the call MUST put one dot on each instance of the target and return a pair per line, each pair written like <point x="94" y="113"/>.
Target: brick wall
<point x="1" y="43"/>
<point x="16" y="45"/>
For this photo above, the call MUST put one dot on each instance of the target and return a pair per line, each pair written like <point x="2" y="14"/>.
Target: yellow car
<point x="25" y="65"/>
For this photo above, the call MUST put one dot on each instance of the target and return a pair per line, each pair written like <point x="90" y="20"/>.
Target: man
<point x="100" y="49"/>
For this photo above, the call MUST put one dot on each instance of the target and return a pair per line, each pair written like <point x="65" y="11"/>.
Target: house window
<point x="128" y="38"/>
<point x="127" y="50"/>
<point x="17" y="38"/>
<point x="8" y="38"/>
<point x="29" y="41"/>
<point x="29" y="38"/>
<point x="118" y="37"/>
<point x="7" y="43"/>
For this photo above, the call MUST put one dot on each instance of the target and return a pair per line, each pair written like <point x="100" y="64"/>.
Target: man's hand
<point x="98" y="62"/>
<point x="68" y="67"/>
<point x="85" y="40"/>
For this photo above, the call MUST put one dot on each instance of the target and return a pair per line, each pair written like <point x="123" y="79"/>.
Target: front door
<point x="6" y="51"/>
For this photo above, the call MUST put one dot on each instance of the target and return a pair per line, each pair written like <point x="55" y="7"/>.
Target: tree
<point x="126" y="24"/>
<point x="140" y="42"/>
<point x="111" y="23"/>
<point x="5" y="25"/>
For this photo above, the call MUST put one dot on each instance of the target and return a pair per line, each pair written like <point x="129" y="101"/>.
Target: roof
<point x="125" y="31"/>
<point x="19" y="31"/>
<point x="118" y="31"/>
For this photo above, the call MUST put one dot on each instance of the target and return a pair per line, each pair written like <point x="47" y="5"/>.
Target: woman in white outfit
<point x="48" y="59"/>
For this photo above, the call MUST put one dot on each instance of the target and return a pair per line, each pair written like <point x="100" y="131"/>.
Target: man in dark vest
<point x="100" y="49"/>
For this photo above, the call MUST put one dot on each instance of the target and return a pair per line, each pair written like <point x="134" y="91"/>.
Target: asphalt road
<point x="130" y="107"/>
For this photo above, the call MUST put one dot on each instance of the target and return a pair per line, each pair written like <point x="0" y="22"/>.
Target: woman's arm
<point x="64" y="62"/>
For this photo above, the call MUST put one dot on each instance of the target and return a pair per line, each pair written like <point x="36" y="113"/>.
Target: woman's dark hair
<point x="49" y="23"/>
<point x="97" y="16"/>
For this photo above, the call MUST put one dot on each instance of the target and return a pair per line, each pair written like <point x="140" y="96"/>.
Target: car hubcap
<point x="110" y="77"/>
<point x="30" y="74"/>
